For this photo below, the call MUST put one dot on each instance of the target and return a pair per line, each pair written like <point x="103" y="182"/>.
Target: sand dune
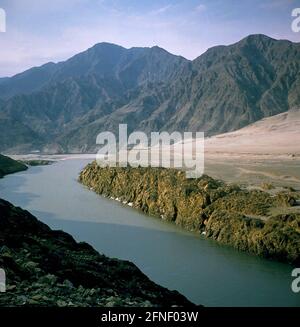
<point x="278" y="135"/>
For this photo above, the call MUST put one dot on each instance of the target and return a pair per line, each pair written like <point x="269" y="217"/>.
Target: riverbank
<point x="49" y="268"/>
<point x="255" y="221"/>
<point x="37" y="162"/>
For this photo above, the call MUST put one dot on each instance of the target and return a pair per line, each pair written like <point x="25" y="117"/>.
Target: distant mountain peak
<point x="258" y="37"/>
<point x="64" y="106"/>
<point x="105" y="45"/>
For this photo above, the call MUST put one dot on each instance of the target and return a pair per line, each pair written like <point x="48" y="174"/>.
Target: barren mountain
<point x="62" y="107"/>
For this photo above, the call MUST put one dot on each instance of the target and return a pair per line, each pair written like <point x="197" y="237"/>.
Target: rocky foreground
<point x="49" y="268"/>
<point x="250" y="220"/>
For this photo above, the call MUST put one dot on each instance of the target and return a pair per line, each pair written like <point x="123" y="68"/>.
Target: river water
<point x="202" y="270"/>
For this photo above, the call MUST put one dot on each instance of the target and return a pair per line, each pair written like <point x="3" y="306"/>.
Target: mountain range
<point x="61" y="107"/>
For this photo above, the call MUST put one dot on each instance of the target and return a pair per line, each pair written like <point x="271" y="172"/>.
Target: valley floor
<point x="254" y="170"/>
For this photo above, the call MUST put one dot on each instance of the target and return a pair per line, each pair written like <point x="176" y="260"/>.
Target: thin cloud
<point x="161" y="10"/>
<point x="201" y="8"/>
<point x="179" y="27"/>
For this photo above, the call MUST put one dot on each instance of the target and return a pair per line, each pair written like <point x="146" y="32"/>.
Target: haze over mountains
<point x="62" y="107"/>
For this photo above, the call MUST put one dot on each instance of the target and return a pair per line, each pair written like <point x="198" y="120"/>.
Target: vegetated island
<point x="250" y="220"/>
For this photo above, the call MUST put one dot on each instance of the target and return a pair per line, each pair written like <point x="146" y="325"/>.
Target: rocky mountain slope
<point x="62" y="107"/>
<point x="226" y="213"/>
<point x="49" y="268"/>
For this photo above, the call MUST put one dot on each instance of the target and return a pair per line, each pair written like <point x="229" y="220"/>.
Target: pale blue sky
<point x="39" y="31"/>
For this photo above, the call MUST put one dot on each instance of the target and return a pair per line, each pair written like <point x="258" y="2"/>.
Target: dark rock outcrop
<point x="49" y="268"/>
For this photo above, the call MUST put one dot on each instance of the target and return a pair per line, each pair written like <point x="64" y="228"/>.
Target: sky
<point x="39" y="31"/>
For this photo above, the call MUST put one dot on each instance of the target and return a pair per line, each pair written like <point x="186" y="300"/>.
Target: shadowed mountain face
<point x="62" y="107"/>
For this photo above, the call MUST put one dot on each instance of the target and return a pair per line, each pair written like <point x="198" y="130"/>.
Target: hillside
<point x="49" y="268"/>
<point x="62" y="107"/>
<point x="9" y="166"/>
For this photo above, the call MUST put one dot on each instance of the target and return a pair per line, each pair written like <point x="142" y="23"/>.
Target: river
<point x="204" y="271"/>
